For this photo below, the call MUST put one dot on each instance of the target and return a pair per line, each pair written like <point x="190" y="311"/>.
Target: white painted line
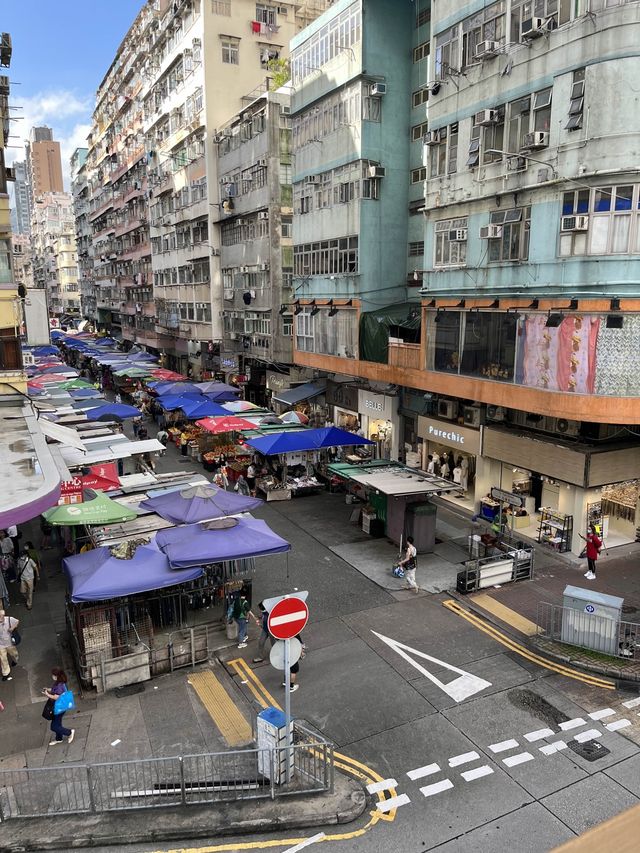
<point x="520" y="758"/>
<point x="631" y="703"/>
<point x="591" y="734"/>
<point x="476" y="773"/>
<point x="465" y="758"/>
<point x="460" y="688"/>
<point x="386" y="805"/>
<point x="573" y="724"/>
<point x="306" y="843"/>
<point x="384" y="785"/>
<point x="550" y="748"/>
<point x="436" y="788"/>
<point x="288" y="617"/>
<point x="541" y="734"/>
<point x="421" y="772"/>
<point x="619" y="724"/>
<point x="504" y="745"/>
<point x="601" y="715"/>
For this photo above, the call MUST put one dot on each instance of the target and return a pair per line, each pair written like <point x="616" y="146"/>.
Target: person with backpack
<point x="240" y="612"/>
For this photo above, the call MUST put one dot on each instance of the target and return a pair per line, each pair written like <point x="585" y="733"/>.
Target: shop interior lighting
<point x="315" y="310"/>
<point x="298" y="308"/>
<point x="283" y="310"/>
<point x="554" y="320"/>
<point x="614" y="305"/>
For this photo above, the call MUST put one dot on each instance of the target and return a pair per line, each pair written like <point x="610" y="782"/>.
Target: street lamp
<point x="524" y="157"/>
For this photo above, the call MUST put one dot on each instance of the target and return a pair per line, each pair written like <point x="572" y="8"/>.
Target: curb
<point x="176" y="824"/>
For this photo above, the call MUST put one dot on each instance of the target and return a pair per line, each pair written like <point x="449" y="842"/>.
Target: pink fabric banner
<point x="561" y="358"/>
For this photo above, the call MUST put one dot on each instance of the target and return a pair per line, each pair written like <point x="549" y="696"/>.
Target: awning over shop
<point x="65" y="435"/>
<point x="394" y="479"/>
<point x="306" y="439"/>
<point x="195" y="544"/>
<point x="308" y="391"/>
<point x="118" y="450"/>
<point x="98" y="576"/>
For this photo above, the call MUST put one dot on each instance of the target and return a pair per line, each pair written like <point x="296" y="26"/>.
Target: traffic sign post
<point x="287" y="619"/>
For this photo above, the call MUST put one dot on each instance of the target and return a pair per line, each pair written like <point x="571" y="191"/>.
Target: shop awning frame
<point x="307" y="391"/>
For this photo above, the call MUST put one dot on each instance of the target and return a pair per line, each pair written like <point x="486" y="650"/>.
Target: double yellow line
<point x="504" y="640"/>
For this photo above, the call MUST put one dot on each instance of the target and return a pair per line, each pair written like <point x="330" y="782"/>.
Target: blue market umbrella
<point x="169" y="402"/>
<point x="46" y="350"/>
<point x="199" y="503"/>
<point x="195" y="409"/>
<point x="85" y="393"/>
<point x="113" y="412"/>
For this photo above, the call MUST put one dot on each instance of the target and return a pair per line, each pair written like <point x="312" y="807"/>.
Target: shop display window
<point x="445" y="334"/>
<point x="489" y="346"/>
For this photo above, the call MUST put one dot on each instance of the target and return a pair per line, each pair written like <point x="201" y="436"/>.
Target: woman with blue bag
<point x="62" y="700"/>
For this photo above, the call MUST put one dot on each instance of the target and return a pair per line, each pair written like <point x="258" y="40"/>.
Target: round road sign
<point x="287" y="618"/>
<point x="276" y="655"/>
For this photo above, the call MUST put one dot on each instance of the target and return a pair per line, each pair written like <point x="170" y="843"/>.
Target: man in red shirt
<point x="594" y="544"/>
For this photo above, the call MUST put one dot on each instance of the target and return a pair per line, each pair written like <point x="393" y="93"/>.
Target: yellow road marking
<point x="226" y="715"/>
<point x="506" y="614"/>
<point x="592" y="680"/>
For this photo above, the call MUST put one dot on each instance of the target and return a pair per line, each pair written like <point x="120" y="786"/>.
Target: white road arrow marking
<point x="459" y="689"/>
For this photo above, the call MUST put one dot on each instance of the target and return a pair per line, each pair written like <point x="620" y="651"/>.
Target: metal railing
<point x="161" y="782"/>
<point x="482" y="572"/>
<point x="593" y="631"/>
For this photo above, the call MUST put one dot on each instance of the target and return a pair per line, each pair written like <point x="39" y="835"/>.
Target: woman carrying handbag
<point x="62" y="699"/>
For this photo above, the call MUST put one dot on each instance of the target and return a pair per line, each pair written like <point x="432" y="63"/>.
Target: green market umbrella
<point x="73" y="384"/>
<point x="99" y="510"/>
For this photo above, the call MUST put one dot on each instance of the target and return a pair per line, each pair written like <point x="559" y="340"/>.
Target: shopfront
<point x="455" y="451"/>
<point x="342" y="403"/>
<point x="380" y="421"/>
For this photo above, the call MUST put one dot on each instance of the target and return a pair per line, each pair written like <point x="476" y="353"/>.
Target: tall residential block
<point x="20" y="212"/>
<point x="44" y="164"/>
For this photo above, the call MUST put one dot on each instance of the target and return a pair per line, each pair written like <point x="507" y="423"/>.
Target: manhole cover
<point x="129" y="690"/>
<point x="592" y="750"/>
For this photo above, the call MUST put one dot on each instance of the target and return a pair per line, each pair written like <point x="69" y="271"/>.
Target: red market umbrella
<point x="294" y="418"/>
<point x="49" y="379"/>
<point x="168" y="375"/>
<point x="225" y="424"/>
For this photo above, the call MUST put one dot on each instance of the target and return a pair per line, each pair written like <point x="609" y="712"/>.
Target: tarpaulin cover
<point x="199" y="503"/>
<point x="98" y="576"/>
<point x="375" y="325"/>
<point x="113" y="411"/>
<point x="194" y="544"/>
<point x="45" y="350"/>
<point x="306" y="439"/>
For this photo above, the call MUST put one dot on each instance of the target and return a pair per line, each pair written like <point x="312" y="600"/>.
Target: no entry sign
<point x="287" y="618"/>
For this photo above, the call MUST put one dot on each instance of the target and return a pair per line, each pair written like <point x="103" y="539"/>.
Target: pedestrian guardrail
<point x="162" y="782"/>
<point x="615" y="637"/>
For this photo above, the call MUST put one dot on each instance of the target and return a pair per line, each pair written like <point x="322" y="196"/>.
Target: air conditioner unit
<point x="262" y="161"/>
<point x="496" y="413"/>
<point x="516" y="164"/>
<point x="28" y="359"/>
<point x="244" y="269"/>
<point x="215" y="253"/>
<point x="487" y="49"/>
<point x="241" y="221"/>
<point x="471" y="416"/>
<point x="377" y="171"/>
<point x="431" y="137"/>
<point x="228" y="294"/>
<point x="533" y="28"/>
<point x="564" y="427"/>
<point x="447" y="409"/>
<point x="233" y="336"/>
<point x="252" y="294"/>
<point x="574" y="223"/>
<point x="486" y="117"/>
<point x="537" y="139"/>
<point x="264" y="267"/>
<point x="458" y="235"/>
<point x="490" y="232"/>
<point x="378" y="89"/>
<point x="312" y="179"/>
<point x="263" y="214"/>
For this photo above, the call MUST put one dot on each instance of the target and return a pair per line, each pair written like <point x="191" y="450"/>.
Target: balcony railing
<point x="404" y="355"/>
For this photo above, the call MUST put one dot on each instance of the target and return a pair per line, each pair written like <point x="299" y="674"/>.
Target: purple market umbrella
<point x="113" y="412"/>
<point x="195" y="409"/>
<point x="199" y="503"/>
<point x="219" y="391"/>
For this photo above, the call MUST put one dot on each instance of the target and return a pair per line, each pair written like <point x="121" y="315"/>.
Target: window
<point x="416" y="250"/>
<point x="474" y="147"/>
<point x="612" y="224"/>
<point x="421" y="51"/>
<point x="487" y="25"/>
<point x="266" y="15"/>
<point x="419" y="97"/>
<point x="447" y="52"/>
<point x="340" y="34"/>
<point x="542" y="110"/>
<point x="493" y="138"/>
<point x="230" y="51"/>
<point x="513" y="244"/>
<point x="489" y="345"/>
<point x="287" y="325"/>
<point x="419" y="130"/>
<point x="450" y="242"/>
<point x="443" y="341"/>
<point x="423" y="17"/>
<point x="557" y="12"/>
<point x="524" y="115"/>
<point x="286" y="227"/>
<point x="328" y="257"/>
<point x="371" y="108"/>
<point x="337" y="110"/>
<point x="576" y="104"/>
<point x="304" y="330"/>
<point x="418" y="176"/>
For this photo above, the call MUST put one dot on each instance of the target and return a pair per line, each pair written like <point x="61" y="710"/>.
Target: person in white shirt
<point x="6" y="556"/>
<point x="12" y="533"/>
<point x="27" y="573"/>
<point x="431" y="467"/>
<point x="8" y="652"/>
<point x="410" y="564"/>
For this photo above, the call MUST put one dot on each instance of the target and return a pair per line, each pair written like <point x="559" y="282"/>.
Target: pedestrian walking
<point x="240" y="613"/>
<point x="8" y="651"/>
<point x="59" y="687"/>
<point x="27" y="573"/>
<point x="4" y="593"/>
<point x="251" y="478"/>
<point x="410" y="564"/>
<point x="118" y="398"/>
<point x="294" y="669"/>
<point x="6" y="557"/>
<point x="136" y="426"/>
<point x="242" y="487"/>
<point x="263" y="622"/>
<point x="12" y="533"/>
<point x="593" y="547"/>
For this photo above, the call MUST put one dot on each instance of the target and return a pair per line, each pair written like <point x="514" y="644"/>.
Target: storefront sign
<point x="229" y="363"/>
<point x="449" y="435"/>
<point x="377" y="406"/>
<point x="70" y="492"/>
<point x="507" y="497"/>
<point x="342" y="395"/>
<point x="277" y="381"/>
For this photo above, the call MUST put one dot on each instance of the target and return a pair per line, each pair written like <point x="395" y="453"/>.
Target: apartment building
<point x="54" y="252"/>
<point x="84" y="242"/>
<point x="21" y="260"/>
<point x="523" y="365"/>
<point x="184" y="68"/>
<point x="43" y="165"/>
<point x="20" y="212"/>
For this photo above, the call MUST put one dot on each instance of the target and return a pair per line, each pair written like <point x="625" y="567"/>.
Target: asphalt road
<point x="462" y="728"/>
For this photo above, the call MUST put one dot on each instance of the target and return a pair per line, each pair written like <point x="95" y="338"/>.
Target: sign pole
<point x="287" y="709"/>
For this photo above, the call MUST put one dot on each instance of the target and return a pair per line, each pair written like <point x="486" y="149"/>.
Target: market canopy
<point x="169" y="402"/>
<point x="45" y="350"/>
<point x="198" y="503"/>
<point x="162" y="374"/>
<point x="307" y="391"/>
<point x="65" y="435"/>
<point x="204" y="408"/>
<point x="306" y="439"/>
<point x="241" y="406"/>
<point x="198" y="544"/>
<point x="113" y="411"/>
<point x="74" y="384"/>
<point x="218" y="391"/>
<point x="172" y="387"/>
<point x="98" y="575"/>
<point x="225" y="424"/>
<point x="100" y="510"/>
<point x="85" y="393"/>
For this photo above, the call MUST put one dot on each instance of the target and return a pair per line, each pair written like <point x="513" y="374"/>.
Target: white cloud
<point x="64" y="111"/>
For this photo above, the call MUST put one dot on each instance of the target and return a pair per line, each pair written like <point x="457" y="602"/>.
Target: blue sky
<point x="61" y="51"/>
